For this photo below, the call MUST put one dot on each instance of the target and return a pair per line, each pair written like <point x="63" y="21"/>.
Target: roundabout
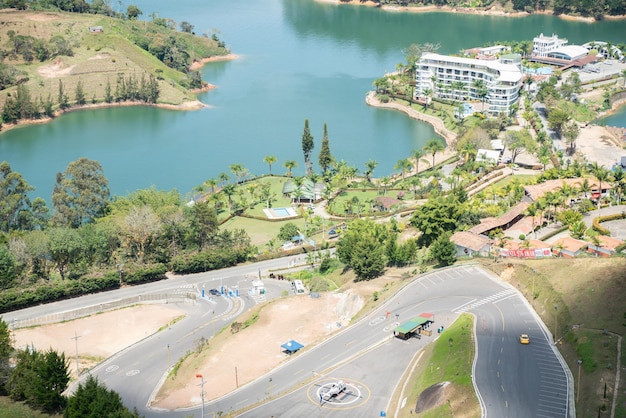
<point x="338" y="394"/>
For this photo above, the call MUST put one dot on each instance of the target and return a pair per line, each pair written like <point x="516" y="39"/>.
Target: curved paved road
<point x="511" y="380"/>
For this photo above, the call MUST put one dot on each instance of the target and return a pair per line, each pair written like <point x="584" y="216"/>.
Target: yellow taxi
<point x="524" y="339"/>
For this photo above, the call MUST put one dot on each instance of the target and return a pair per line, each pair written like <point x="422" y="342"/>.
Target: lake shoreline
<point x="492" y="11"/>
<point x="437" y="124"/>
<point x="184" y="106"/>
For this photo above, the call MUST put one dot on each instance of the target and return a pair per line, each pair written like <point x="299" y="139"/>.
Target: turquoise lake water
<point x="298" y="59"/>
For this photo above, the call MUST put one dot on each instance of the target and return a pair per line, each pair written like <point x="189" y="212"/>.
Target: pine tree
<point x="63" y="99"/>
<point x="307" y="147"/>
<point x="325" y="157"/>
<point x="93" y="400"/>
<point x="108" y="97"/>
<point x="80" y="93"/>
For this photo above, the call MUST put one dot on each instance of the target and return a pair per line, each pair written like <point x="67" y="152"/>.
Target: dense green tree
<point x="436" y="217"/>
<point x="80" y="194"/>
<point x="52" y="379"/>
<point x="6" y="351"/>
<point x="288" y="231"/>
<point x="13" y="197"/>
<point x="40" y="379"/>
<point x="325" y="157"/>
<point x="186" y="27"/>
<point x="307" y="147"/>
<point x="557" y="120"/>
<point x="571" y="132"/>
<point x="93" y="399"/>
<point x="519" y="142"/>
<point x="443" y="250"/>
<point x="7" y="268"/>
<point x="65" y="247"/>
<point x="204" y="223"/>
<point x="362" y="248"/>
<point x="133" y="12"/>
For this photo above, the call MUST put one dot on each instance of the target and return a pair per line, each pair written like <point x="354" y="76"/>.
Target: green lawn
<point x="12" y="409"/>
<point x="448" y="359"/>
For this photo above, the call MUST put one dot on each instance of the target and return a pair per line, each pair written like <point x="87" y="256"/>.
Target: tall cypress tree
<point x="307" y="147"/>
<point x="325" y="157"/>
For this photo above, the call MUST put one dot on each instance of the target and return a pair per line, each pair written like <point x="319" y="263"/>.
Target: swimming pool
<point x="275" y="213"/>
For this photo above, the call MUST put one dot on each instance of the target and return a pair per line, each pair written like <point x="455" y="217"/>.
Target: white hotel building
<point x="442" y="75"/>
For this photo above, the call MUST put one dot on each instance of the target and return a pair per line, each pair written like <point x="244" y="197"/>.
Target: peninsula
<point x="58" y="61"/>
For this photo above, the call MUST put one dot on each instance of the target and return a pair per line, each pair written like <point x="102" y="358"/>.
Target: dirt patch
<point x="41" y="17"/>
<point x="99" y="336"/>
<point x="237" y="359"/>
<point x="57" y="69"/>
<point x="432" y="397"/>
<point x="597" y="143"/>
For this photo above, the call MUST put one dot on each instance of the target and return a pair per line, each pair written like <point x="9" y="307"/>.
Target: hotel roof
<point x="508" y="72"/>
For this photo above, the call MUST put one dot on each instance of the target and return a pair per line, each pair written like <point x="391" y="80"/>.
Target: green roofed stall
<point x="413" y="326"/>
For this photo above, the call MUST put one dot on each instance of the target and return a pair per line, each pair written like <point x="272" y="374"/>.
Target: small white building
<point x="542" y="45"/>
<point x="488" y="156"/>
<point x="569" y="52"/>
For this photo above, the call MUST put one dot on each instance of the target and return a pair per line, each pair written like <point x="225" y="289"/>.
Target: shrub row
<point x="144" y="274"/>
<point x="13" y="299"/>
<point x="602" y="230"/>
<point x="206" y="261"/>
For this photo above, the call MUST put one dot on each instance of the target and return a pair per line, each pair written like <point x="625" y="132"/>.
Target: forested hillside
<point x="52" y="60"/>
<point x="587" y="8"/>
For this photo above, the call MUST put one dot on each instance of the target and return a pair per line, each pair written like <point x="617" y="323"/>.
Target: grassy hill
<point x="98" y="58"/>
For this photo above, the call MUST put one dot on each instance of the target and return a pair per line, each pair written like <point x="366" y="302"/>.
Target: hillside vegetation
<point x="596" y="9"/>
<point x="55" y="53"/>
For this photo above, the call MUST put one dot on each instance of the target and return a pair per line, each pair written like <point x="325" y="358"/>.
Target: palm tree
<point x="481" y="89"/>
<point x="229" y="191"/>
<point x="458" y="87"/>
<point x="270" y="159"/>
<point x="600" y="173"/>
<point x="370" y="166"/>
<point x="224" y="178"/>
<point x="618" y="180"/>
<point x="385" y="181"/>
<point x="433" y="146"/>
<point x="417" y="155"/>
<point x="532" y="212"/>
<point x="239" y="171"/>
<point x="212" y="183"/>
<point x="416" y="183"/>
<point x="403" y="165"/>
<point x="468" y="150"/>
<point x="290" y="165"/>
<point x="297" y="193"/>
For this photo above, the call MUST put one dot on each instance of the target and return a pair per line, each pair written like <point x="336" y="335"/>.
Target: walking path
<point x="588" y="219"/>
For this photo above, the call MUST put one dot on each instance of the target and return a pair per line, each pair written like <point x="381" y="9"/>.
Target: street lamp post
<point x="199" y="376"/>
<point x="556" y="322"/>
<point x="578" y="387"/>
<point x="75" y="338"/>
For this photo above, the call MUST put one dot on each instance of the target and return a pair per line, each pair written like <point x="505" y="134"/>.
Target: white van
<point x="298" y="287"/>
